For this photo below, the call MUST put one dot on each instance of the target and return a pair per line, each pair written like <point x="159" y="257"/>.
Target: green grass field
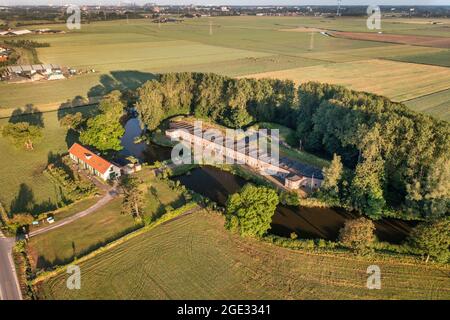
<point x="22" y="181"/>
<point x="194" y="257"/>
<point x="82" y="236"/>
<point x="396" y="80"/>
<point x="60" y="246"/>
<point x="436" y="104"/>
<point x="126" y="54"/>
<point x="158" y="194"/>
<point x="441" y="58"/>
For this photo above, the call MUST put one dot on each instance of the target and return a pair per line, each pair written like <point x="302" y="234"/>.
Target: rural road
<point x="106" y="198"/>
<point x="9" y="285"/>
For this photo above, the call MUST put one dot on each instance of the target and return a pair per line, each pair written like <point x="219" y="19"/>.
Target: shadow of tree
<point x="28" y="114"/>
<point x="25" y="202"/>
<point x="120" y="80"/>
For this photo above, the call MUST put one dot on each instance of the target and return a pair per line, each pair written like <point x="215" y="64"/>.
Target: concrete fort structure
<point x="212" y="146"/>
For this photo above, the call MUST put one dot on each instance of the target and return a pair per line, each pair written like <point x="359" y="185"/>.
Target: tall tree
<point x="433" y="239"/>
<point x="333" y="174"/>
<point x="250" y="210"/>
<point x="105" y="131"/>
<point x="133" y="200"/>
<point x="22" y="134"/>
<point x="72" y="121"/>
<point x="150" y="104"/>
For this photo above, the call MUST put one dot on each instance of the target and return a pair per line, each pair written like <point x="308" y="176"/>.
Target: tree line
<point x="399" y="158"/>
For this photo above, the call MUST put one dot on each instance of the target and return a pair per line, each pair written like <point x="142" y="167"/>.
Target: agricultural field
<point x="441" y="58"/>
<point x="208" y="262"/>
<point x="126" y="54"/>
<point x="437" y="104"/>
<point x="62" y="245"/>
<point x="396" y="80"/>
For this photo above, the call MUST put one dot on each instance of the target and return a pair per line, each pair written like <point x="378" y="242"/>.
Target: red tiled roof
<point x="89" y="157"/>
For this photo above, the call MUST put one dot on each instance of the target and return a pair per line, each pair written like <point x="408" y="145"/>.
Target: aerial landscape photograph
<point x="252" y="153"/>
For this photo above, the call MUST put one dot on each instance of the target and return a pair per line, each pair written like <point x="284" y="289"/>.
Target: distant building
<point x="47" y="71"/>
<point x="15" y="32"/>
<point x="95" y="164"/>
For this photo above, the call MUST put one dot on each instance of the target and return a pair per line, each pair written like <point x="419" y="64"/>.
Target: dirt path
<point x="106" y="198"/>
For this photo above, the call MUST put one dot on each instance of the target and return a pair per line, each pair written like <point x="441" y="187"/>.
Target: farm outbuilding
<point x="92" y="162"/>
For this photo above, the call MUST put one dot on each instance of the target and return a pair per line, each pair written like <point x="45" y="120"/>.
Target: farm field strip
<point x="387" y="51"/>
<point x="208" y="262"/>
<point x="441" y="58"/>
<point x="152" y="56"/>
<point x="396" y="80"/>
<point x="436" y="104"/>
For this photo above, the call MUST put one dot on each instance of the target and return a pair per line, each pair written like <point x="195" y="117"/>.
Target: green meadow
<point x="24" y="187"/>
<point x="194" y="257"/>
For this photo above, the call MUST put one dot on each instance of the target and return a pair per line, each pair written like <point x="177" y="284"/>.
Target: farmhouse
<point x="95" y="164"/>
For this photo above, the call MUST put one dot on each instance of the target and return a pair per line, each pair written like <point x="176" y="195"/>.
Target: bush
<point x="358" y="234"/>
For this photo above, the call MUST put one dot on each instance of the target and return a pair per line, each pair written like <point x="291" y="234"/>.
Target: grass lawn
<point x="158" y="194"/>
<point x="287" y="134"/>
<point x="60" y="246"/>
<point x="194" y="257"/>
<point x="23" y="184"/>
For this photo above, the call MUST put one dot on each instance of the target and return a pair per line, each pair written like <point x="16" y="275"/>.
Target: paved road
<point x="9" y="285"/>
<point x="106" y="198"/>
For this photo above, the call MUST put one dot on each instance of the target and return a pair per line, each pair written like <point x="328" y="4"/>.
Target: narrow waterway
<point x="145" y="152"/>
<point x="218" y="185"/>
<point x="306" y="222"/>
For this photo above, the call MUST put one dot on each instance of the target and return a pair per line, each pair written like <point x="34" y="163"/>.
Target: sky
<point x="232" y="2"/>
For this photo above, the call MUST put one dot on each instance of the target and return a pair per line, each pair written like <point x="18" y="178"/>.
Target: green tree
<point x="150" y="104"/>
<point x="367" y="184"/>
<point x="289" y="198"/>
<point x="104" y="132"/>
<point x="22" y="134"/>
<point x="333" y="174"/>
<point x="433" y="239"/>
<point x="358" y="234"/>
<point x="133" y="200"/>
<point x="72" y="121"/>
<point x="250" y="210"/>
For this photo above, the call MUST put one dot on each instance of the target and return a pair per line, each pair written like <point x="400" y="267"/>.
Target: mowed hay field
<point x="125" y="54"/>
<point x="194" y="257"/>
<point x="396" y="80"/>
<point x="436" y="104"/>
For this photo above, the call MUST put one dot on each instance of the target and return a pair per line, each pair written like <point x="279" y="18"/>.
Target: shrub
<point x="358" y="234"/>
